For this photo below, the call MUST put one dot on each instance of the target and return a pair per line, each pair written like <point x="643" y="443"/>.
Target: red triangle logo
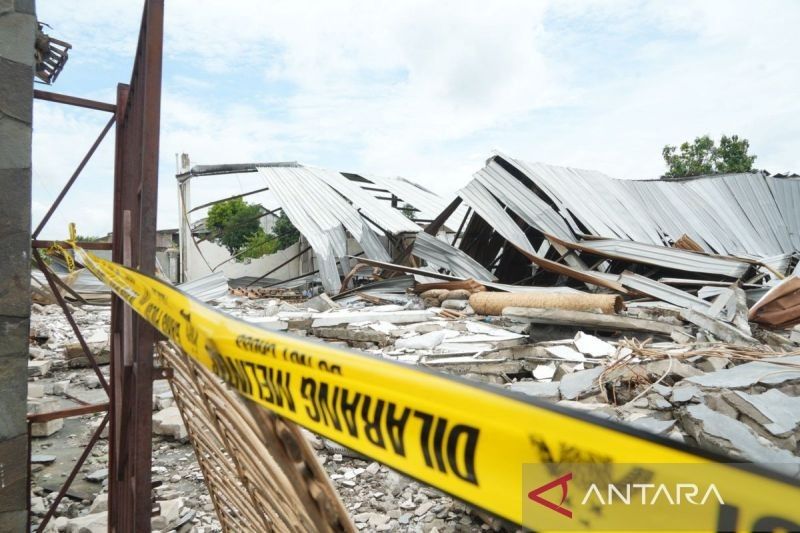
<point x="535" y="495"/>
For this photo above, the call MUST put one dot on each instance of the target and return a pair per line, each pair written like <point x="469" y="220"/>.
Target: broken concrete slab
<point x="346" y="317"/>
<point x="544" y="372"/>
<point x="39" y="367"/>
<point x="40" y="406"/>
<point x="686" y="392"/>
<point x="100" y="504"/>
<point x="76" y="357"/>
<point x="169" y="422"/>
<point x="768" y="371"/>
<point x="651" y="424"/>
<point x="543" y="390"/>
<point x="721" y="330"/>
<point x="580" y="384"/>
<point x="592" y="321"/>
<point x="779" y="413"/>
<point x="592" y="346"/>
<point x="427" y="341"/>
<point x="672" y="368"/>
<point x="322" y="302"/>
<point x="90" y="523"/>
<point x="566" y="353"/>
<point x="728" y="436"/>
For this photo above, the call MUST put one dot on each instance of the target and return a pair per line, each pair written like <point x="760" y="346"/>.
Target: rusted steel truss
<point x="136" y="114"/>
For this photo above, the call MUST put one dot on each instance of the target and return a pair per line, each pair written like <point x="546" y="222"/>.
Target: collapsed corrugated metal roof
<point x="742" y="215"/>
<point x="323" y="205"/>
<point x="536" y="224"/>
<point x="326" y="206"/>
<point x="440" y="254"/>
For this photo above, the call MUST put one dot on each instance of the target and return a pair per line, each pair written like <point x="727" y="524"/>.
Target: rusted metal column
<point x="132" y="340"/>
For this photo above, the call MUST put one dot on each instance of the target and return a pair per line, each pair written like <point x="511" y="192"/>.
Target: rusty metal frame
<point x="132" y="339"/>
<point x="136" y="114"/>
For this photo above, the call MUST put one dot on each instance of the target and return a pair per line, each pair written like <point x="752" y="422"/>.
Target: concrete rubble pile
<point x="672" y="307"/>
<point x="729" y="387"/>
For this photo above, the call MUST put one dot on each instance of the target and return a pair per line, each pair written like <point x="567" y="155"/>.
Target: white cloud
<point x="428" y="89"/>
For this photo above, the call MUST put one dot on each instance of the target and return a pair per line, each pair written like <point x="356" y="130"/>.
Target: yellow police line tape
<point x="468" y="440"/>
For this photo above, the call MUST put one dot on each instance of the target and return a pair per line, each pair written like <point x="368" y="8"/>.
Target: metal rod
<point x="433" y="227"/>
<point x="60" y="282"/>
<point x="72" y="178"/>
<point x="66" y="413"/>
<point x="73" y="100"/>
<point x="461" y="226"/>
<point x="60" y="299"/>
<point x="71" y="477"/>
<point x="234" y="197"/>
<point x="85" y="245"/>
<point x="304" y="250"/>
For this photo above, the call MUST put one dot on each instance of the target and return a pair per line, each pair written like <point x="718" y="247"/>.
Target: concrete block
<point x="15" y="102"/>
<point x="35" y="390"/>
<point x="45" y="429"/>
<point x="13" y="394"/>
<point x="99" y="504"/>
<point x="44" y="405"/>
<point x="76" y="358"/>
<point x="13" y="490"/>
<point x="91" y="523"/>
<point x="14" y="249"/>
<point x="17" y="35"/>
<point x="25" y="6"/>
<point x="171" y="509"/>
<point x="15" y="148"/>
<point x="544" y="390"/>
<point x="169" y="422"/>
<point x="14" y="332"/>
<point x="38" y="368"/>
<point x="580" y="384"/>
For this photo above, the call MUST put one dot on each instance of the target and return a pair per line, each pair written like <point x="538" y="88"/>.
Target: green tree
<point x="704" y="157"/>
<point x="233" y="222"/>
<point x="284" y="231"/>
<point x="258" y="244"/>
<point x="732" y="155"/>
<point x="235" y="225"/>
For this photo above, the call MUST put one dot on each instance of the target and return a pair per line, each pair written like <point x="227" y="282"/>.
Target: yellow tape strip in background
<point x="462" y="438"/>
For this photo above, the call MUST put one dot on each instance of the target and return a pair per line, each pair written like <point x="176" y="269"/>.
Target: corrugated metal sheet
<point x="314" y="200"/>
<point x="663" y="256"/>
<point x="440" y="254"/>
<point x="429" y="204"/>
<point x="477" y="196"/>
<point x="663" y="292"/>
<point x="749" y="215"/>
<point x="211" y="287"/>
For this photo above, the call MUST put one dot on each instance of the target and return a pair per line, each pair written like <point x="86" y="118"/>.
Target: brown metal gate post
<point x="135" y="205"/>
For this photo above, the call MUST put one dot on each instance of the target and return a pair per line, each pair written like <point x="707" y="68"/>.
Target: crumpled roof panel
<point x="747" y="214"/>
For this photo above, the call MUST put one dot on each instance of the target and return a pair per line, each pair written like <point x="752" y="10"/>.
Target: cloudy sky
<point x="424" y="90"/>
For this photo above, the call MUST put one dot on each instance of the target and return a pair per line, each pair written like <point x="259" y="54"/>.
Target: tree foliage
<point x="233" y="222"/>
<point x="704" y="157"/>
<point x="235" y="225"/>
<point x="284" y="231"/>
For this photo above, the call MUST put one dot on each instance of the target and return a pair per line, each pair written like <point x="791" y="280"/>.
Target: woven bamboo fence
<point x="260" y="471"/>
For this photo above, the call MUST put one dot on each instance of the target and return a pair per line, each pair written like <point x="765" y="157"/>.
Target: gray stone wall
<point x="17" y="32"/>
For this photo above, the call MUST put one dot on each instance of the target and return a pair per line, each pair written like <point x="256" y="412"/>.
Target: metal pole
<point x="72" y="178"/>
